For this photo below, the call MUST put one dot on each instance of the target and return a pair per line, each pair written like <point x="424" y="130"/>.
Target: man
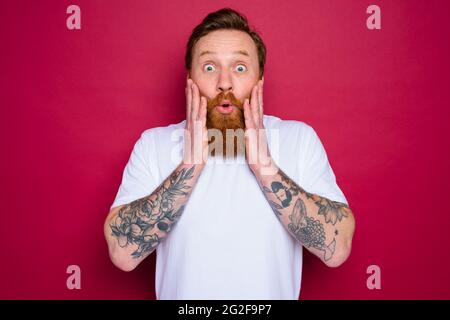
<point x="228" y="217"/>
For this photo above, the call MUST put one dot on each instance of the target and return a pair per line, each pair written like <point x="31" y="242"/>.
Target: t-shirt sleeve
<point x="139" y="177"/>
<point x="319" y="177"/>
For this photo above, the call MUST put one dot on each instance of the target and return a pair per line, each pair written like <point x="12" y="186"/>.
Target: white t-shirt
<point x="228" y="243"/>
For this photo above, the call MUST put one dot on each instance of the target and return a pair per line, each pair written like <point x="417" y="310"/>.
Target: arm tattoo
<point x="285" y="191"/>
<point x="138" y="222"/>
<point x="308" y="231"/>
<point x="333" y="211"/>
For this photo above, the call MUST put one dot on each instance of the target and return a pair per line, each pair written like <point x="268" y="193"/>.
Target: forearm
<point x="135" y="230"/>
<point x="322" y="226"/>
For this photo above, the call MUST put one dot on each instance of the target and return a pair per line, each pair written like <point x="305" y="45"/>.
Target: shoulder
<point x="291" y="128"/>
<point x="161" y="132"/>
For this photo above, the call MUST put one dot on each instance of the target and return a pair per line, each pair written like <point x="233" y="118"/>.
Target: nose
<point x="224" y="83"/>
<point x="225" y="88"/>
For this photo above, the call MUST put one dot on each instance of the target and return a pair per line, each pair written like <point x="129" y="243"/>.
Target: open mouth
<point x="225" y="108"/>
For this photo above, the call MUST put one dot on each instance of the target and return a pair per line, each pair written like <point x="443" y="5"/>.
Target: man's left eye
<point x="241" y="68"/>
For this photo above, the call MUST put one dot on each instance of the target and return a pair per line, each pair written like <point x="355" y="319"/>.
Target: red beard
<point x="234" y="120"/>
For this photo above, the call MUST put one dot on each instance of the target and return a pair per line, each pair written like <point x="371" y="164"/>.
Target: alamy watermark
<point x="74" y="280"/>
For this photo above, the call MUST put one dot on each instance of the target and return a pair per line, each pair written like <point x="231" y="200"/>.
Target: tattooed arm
<point x="133" y="231"/>
<point x="322" y="226"/>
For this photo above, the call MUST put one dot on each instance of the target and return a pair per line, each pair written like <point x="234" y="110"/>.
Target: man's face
<point x="225" y="67"/>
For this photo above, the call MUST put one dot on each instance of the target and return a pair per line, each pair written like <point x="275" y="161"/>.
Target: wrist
<point x="187" y="165"/>
<point x="264" y="171"/>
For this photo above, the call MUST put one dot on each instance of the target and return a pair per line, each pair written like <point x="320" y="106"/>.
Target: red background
<point x="74" y="102"/>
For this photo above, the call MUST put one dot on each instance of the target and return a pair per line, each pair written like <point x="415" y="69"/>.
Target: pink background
<point x="74" y="103"/>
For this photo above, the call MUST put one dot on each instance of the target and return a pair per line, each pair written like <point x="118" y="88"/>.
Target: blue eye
<point x="208" y="67"/>
<point x="241" y="68"/>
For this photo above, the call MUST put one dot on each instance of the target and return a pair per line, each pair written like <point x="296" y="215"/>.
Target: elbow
<point x="118" y="255"/>
<point x="344" y="248"/>
<point x="120" y="258"/>
<point x="340" y="256"/>
<point x="121" y="263"/>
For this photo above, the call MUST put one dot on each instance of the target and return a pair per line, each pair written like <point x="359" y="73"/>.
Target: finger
<point x="202" y="115"/>
<point x="247" y="115"/>
<point x="254" y="108"/>
<point x="188" y="100"/>
<point x="260" y="99"/>
<point x="203" y="109"/>
<point x="250" y="133"/>
<point x="195" y="102"/>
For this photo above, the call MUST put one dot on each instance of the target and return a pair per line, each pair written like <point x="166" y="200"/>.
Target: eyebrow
<point x="243" y="52"/>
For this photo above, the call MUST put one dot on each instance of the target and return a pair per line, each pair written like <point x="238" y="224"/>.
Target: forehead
<point x="225" y="42"/>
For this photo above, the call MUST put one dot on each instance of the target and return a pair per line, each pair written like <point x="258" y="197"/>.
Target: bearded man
<point x="228" y="217"/>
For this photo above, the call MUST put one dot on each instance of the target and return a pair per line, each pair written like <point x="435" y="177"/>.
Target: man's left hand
<point x="256" y="146"/>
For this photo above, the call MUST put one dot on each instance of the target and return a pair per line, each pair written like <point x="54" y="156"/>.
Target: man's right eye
<point x="208" y="67"/>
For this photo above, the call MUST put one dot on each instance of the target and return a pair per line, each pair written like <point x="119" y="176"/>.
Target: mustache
<point x="211" y="103"/>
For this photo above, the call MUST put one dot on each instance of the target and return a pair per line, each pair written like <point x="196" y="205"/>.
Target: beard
<point x="231" y="121"/>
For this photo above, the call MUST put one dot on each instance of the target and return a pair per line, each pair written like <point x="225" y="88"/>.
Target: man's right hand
<point x="196" y="134"/>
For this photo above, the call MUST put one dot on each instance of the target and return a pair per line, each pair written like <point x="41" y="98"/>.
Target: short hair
<point x="230" y="19"/>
